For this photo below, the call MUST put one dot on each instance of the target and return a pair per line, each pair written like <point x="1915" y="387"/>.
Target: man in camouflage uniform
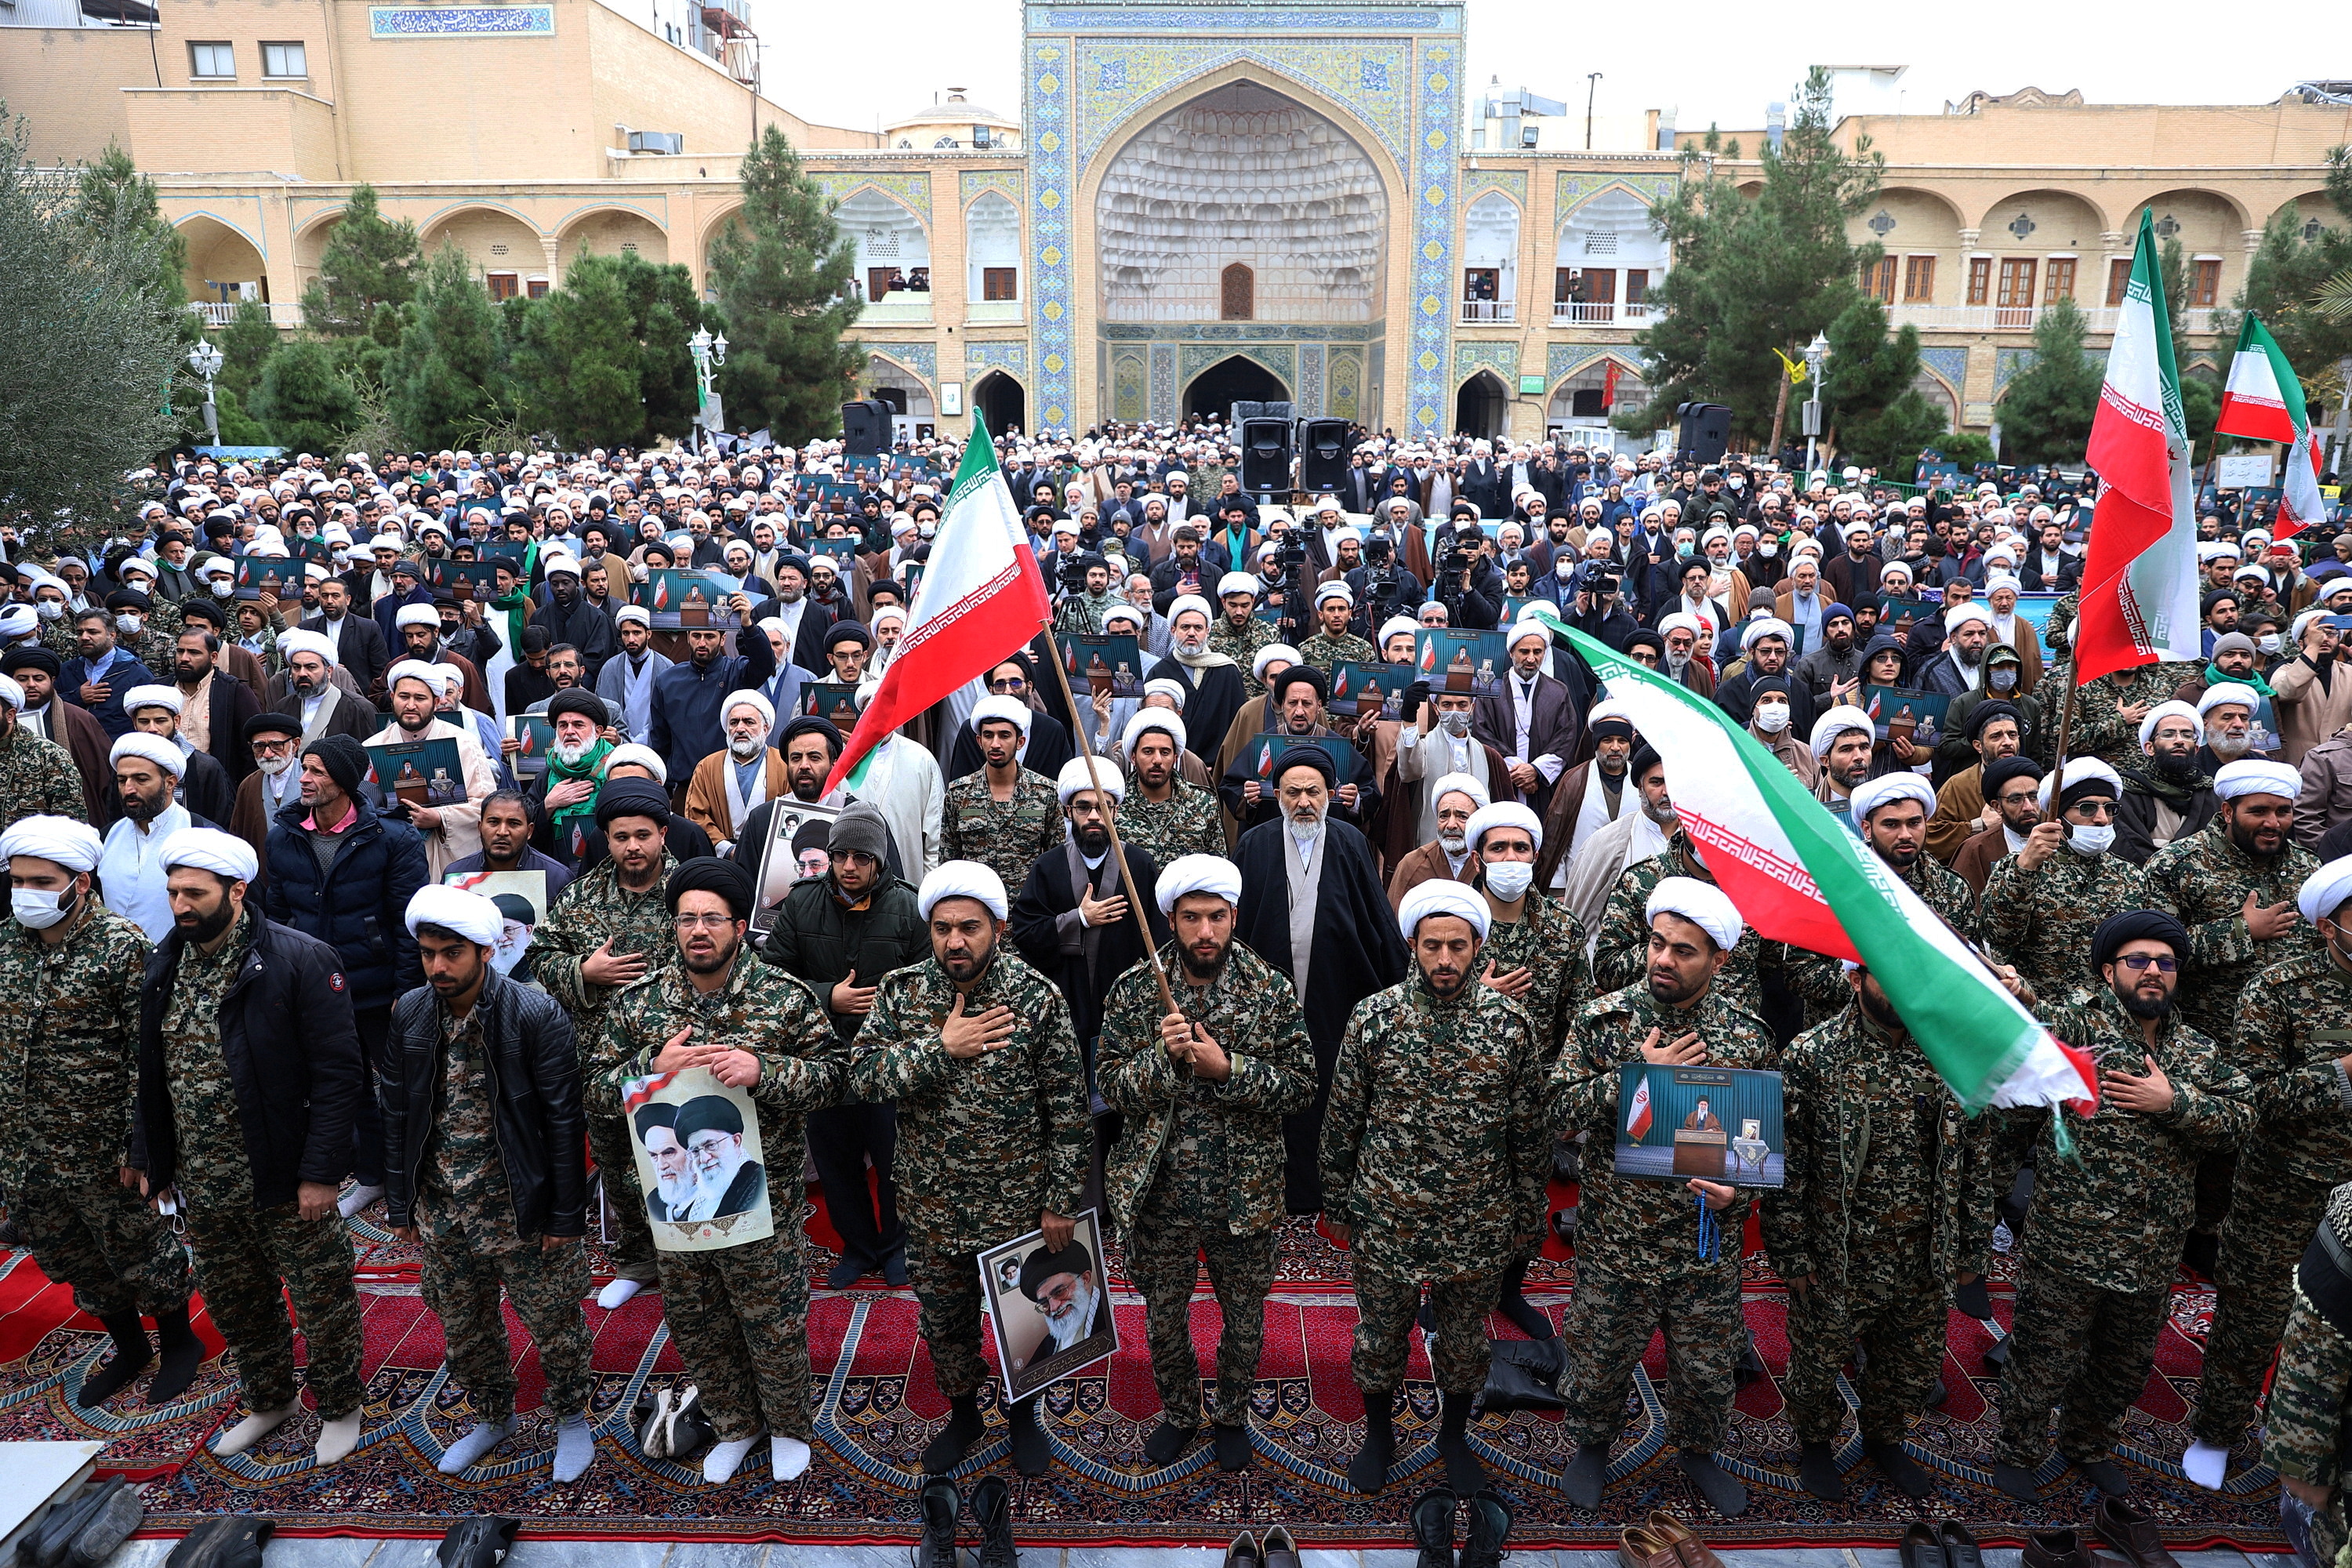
<point x="2303" y="1422"/>
<point x="1640" y="1265"/>
<point x="1199" y="1169"/>
<point x="1434" y="1156"/>
<point x="1332" y="641"/>
<point x="993" y="1132"/>
<point x="1006" y="814"/>
<point x="1160" y="813"/>
<point x="2108" y="710"/>
<point x="1886" y="1204"/>
<point x="37" y="777"/>
<point x="740" y="1313"/>
<point x="2109" y="1214"/>
<point x="2041" y="906"/>
<point x="1239" y="634"/>
<point x="1620" y="948"/>
<point x="458" y="1047"/>
<point x="2294" y="1039"/>
<point x="609" y="928"/>
<point x="68" y="1071"/>
<point x="1891" y="814"/>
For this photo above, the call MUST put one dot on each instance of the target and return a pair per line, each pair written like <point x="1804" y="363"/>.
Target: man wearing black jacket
<point x="484" y="1170"/>
<point x="248" y="1076"/>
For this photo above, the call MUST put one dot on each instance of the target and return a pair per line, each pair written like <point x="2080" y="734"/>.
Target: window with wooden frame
<point x="2204" y="285"/>
<point x="1637" y="285"/>
<point x="1237" y="294"/>
<point x="536" y="288"/>
<point x="2058" y="279"/>
<point x="502" y="285"/>
<point x="1878" y="278"/>
<point x="2118" y="280"/>
<point x="1918" y="279"/>
<point x="2013" y="300"/>
<point x="1000" y="282"/>
<point x="1980" y="280"/>
<point x="1564" y="285"/>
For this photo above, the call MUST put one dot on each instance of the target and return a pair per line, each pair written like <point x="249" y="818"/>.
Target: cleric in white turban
<point x="1442" y="896"/>
<point x="1842" y="719"/>
<point x="2324" y="892"/>
<point x="1701" y="903"/>
<point x="963" y="880"/>
<point x="1886" y="789"/>
<point x="210" y="849"/>
<point x="1187" y="874"/>
<point x="456" y="911"/>
<point x="2253" y="775"/>
<point x="60" y="840"/>
<point x="1015" y="713"/>
<point x="1076" y="780"/>
<point x="1147" y="720"/>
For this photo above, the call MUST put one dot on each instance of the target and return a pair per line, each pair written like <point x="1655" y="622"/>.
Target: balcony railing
<point x="220" y="313"/>
<point x="1595" y="312"/>
<point x="1489" y="311"/>
<point x="992" y="313"/>
<point x="900" y="307"/>
<point x="2022" y="318"/>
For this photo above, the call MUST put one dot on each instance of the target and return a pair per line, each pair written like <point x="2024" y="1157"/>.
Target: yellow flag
<point x="1796" y="369"/>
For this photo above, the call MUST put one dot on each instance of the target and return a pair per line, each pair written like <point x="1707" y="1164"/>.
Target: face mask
<point x="1769" y="549"/>
<point x="1454" y="724"/>
<point x="744" y="748"/>
<point x="1508" y="879"/>
<point x="2090" y="838"/>
<point x="273" y="766"/>
<point x="223" y="590"/>
<point x="1772" y="717"/>
<point x="129" y="625"/>
<point x="51" y="610"/>
<point x="38" y="910"/>
<point x="2001" y="680"/>
<point x="2269" y="643"/>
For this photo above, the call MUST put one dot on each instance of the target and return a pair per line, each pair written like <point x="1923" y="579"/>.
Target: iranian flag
<point x="982" y="599"/>
<point x="2139" y="601"/>
<point x="2264" y="402"/>
<point x="1637" y="1118"/>
<point x="1797" y="875"/>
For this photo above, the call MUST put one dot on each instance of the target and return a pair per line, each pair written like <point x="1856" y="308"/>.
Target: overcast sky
<point x="859" y="64"/>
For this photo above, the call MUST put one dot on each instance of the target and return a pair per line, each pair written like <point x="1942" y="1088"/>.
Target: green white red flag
<point x="2264" y="402"/>
<point x="981" y="598"/>
<point x="1797" y="875"/>
<point x="2139" y="594"/>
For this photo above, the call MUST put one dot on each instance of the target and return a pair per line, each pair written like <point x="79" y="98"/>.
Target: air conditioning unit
<point x="669" y="142"/>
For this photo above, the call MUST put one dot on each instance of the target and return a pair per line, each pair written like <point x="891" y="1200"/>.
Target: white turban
<point x="75" y="846"/>
<point x="1334" y="589"/>
<point x="19" y="621"/>
<point x="160" y="749"/>
<point x="962" y="880"/>
<point x="1183" y="602"/>
<point x="2223" y="693"/>
<point x="1996" y="581"/>
<point x="1075" y="780"/>
<point x="1237" y="583"/>
<point x="1443" y="896"/>
<point x="1211" y="874"/>
<point x="621" y="617"/>
<point x="1458" y="783"/>
<point x="1015" y="713"/>
<point x="1888" y="788"/>
<point x="2163" y="710"/>
<point x="2322" y="894"/>
<point x="386" y="542"/>
<point x="411" y="670"/>
<point x="1505" y="814"/>
<point x="1267" y="655"/>
<point x="561" y="561"/>
<point x="2077" y="770"/>
<point x="139" y="696"/>
<point x="1682" y="621"/>
<point x="1171" y="689"/>
<point x="1765" y="627"/>
<point x="417" y="615"/>
<point x="1846" y="716"/>
<point x="754" y="702"/>
<point x="1701" y="903"/>
<point x="1396" y="624"/>
<point x="1959" y="615"/>
<point x="644" y="756"/>
<point x="1526" y="626"/>
<point x="1146" y="719"/>
<point x="470" y="915"/>
<point x="295" y="640"/>
<point x="210" y="849"/>
<point x="1127" y="613"/>
<point x="2252" y="775"/>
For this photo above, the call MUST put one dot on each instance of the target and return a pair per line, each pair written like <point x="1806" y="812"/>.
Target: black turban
<point x="580" y="700"/>
<point x="31" y="655"/>
<point x="1646" y="757"/>
<point x="1986" y="712"/>
<point x="1041" y="1266"/>
<point x="1280" y="685"/>
<point x="129" y="599"/>
<point x="1646" y="638"/>
<point x="704" y="874"/>
<point x="1613" y="727"/>
<point x="810" y="724"/>
<point x="515" y="907"/>
<point x="706" y="1112"/>
<point x="847" y="631"/>
<point x="1307" y="756"/>
<point x="1999" y="775"/>
<point x="273" y="725"/>
<point x="344" y="759"/>
<point x="631" y="797"/>
<point x="652" y="1115"/>
<point x="2134" y="925"/>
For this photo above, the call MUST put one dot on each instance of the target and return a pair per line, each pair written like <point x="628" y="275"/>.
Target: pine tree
<point x="2046" y="417"/>
<point x="782" y="272"/>
<point x="577" y="363"/>
<point x="304" y="399"/>
<point x="1875" y="417"/>
<point x="112" y="191"/>
<point x="246" y="344"/>
<point x="369" y="261"/>
<point x="445" y="377"/>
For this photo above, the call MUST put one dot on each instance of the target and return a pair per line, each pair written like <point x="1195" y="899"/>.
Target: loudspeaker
<point x="1265" y="456"/>
<point x="1705" y="431"/>
<point x="866" y="428"/>
<point x="1322" y="453"/>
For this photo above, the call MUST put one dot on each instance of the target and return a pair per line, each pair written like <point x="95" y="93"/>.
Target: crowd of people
<point x="1352" y="902"/>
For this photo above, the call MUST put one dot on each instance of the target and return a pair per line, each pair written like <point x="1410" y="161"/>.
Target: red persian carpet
<point x="878" y="1405"/>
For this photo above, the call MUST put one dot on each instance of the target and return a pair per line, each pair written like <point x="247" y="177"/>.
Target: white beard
<point x="711" y="1186"/>
<point x="1073" y="1324"/>
<point x="675" y="1193"/>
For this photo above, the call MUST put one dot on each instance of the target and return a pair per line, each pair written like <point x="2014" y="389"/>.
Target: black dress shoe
<point x="1960" y="1549"/>
<point x="1921" y="1547"/>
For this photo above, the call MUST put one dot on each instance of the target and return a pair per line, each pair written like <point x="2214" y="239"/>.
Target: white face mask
<point x="2090" y="838"/>
<point x="1772" y="717"/>
<point x="2269" y="643"/>
<point x="51" y="610"/>
<point x="1456" y="724"/>
<point x="1769" y="549"/>
<point x="38" y="910"/>
<point x="273" y="766"/>
<point x="1508" y="879"/>
<point x="129" y="625"/>
<point x="221" y="589"/>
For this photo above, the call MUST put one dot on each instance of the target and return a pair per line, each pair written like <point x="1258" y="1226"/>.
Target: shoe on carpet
<point x="1244" y="1553"/>
<point x="1689" y="1549"/>
<point x="1638" y="1548"/>
<point x="941" y="1507"/>
<point x="991" y="1511"/>
<point x="2132" y="1532"/>
<point x="1432" y="1528"/>
<point x="1277" y="1550"/>
<point x="1490" y="1528"/>
<point x="1960" y="1549"/>
<point x="1921" y="1546"/>
<point x="482" y="1542"/>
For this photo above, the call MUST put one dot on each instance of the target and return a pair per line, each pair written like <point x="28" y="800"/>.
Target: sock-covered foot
<point x="1462" y="1471"/>
<point x="2017" y="1481"/>
<point x="184" y="1354"/>
<point x="337" y="1438"/>
<point x="131" y="1354"/>
<point x="1031" y="1453"/>
<point x="1170" y="1439"/>
<point x="1581" y="1477"/>
<point x="618" y="1291"/>
<point x="253" y="1429"/>
<point x="1718" y="1486"/>
<point x="2205" y="1465"/>
<point x="1900" y="1467"/>
<point x="1367" y="1472"/>
<point x="1817" y="1472"/>
<point x="2105" y="1475"/>
<point x="724" y="1460"/>
<point x="790" y="1459"/>
<point x="475" y="1446"/>
<point x="1233" y="1447"/>
<point x="845" y="1273"/>
<point x="362" y="1195"/>
<point x="963" y="1429"/>
<point x="576" y="1448"/>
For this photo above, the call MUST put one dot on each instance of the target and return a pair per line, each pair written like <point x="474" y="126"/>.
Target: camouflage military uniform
<point x="739" y="1315"/>
<point x="2304" y="1438"/>
<point x="1621" y="951"/>
<point x="1548" y="941"/>
<point x="157" y="646"/>
<point x="465" y="1219"/>
<point x="2101" y="729"/>
<point x="1637" y="1263"/>
<point x="1326" y="652"/>
<point x="984" y="1143"/>
<point x="2202" y="881"/>
<point x="1199" y="1168"/>
<point x="592" y="908"/>
<point x="1006" y="836"/>
<point x="1434" y="1151"/>
<point x="37" y="778"/>
<point x="1241" y="644"/>
<point x="1886" y="1198"/>
<point x="2042" y="922"/>
<point x="242" y="1252"/>
<point x="68" y="1073"/>
<point x="1942" y="889"/>
<point x="1186" y="822"/>
<point x="2293" y="1021"/>
<point x="2108" y="1226"/>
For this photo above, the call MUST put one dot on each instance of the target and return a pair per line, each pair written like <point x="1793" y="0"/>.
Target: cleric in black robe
<point x="1081" y="960"/>
<point x="1300" y="722"/>
<point x="1337" y="953"/>
<point x="1213" y="690"/>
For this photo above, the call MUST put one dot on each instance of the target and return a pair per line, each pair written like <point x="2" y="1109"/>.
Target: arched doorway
<point x="1236" y="379"/>
<point x="1482" y="407"/>
<point x="1000" y="404"/>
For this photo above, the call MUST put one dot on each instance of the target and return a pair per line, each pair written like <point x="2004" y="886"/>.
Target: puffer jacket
<point x="360" y="907"/>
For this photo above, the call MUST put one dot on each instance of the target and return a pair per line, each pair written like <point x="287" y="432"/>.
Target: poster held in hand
<point x="795" y="848"/>
<point x="1720" y="1124"/>
<point x="1049" y="1311"/>
<point x="702" y="1168"/>
<point x="425" y="773"/>
<point x="537" y="733"/>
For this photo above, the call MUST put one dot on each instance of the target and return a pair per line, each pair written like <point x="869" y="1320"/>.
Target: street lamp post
<point x="1592" y="88"/>
<point x="1817" y="354"/>
<point x="205" y="361"/>
<point x="709" y="353"/>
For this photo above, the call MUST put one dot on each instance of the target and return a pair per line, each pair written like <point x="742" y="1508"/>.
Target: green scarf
<point x="517" y="606"/>
<point x="591" y="763"/>
<point x="2216" y="676"/>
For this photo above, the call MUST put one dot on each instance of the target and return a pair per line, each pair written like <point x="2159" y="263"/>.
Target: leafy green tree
<point x="92" y="357"/>
<point x="2290" y="280"/>
<point x="305" y="399"/>
<point x="782" y="272"/>
<point x="1755" y="275"/>
<point x="664" y="312"/>
<point x="447" y="375"/>
<point x="245" y="345"/>
<point x="238" y="429"/>
<point x="2046" y="417"/>
<point x="1869" y="367"/>
<point x="577" y="364"/>
<point x="113" y="192"/>
<point x="1966" y="448"/>
<point x="369" y="261"/>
